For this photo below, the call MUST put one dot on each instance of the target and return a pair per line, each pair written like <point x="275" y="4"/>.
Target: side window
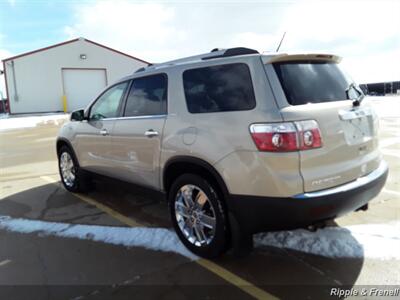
<point x="147" y="96"/>
<point x="219" y="88"/>
<point x="108" y="103"/>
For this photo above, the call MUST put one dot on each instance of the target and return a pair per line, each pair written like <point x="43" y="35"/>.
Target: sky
<point x="365" y="33"/>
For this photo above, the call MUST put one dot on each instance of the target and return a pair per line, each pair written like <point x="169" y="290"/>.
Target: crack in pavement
<point x="128" y="281"/>
<point x="313" y="267"/>
<point x="44" y="270"/>
<point x="47" y="204"/>
<point x="81" y="217"/>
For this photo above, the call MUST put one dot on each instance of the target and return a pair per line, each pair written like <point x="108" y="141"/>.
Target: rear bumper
<point x="255" y="214"/>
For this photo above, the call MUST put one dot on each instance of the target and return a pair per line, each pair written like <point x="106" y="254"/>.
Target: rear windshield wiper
<point x="359" y="98"/>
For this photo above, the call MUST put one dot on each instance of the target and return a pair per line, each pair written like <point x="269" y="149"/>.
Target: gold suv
<point x="238" y="142"/>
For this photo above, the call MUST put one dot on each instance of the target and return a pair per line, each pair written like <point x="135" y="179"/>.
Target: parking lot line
<point x="5" y="262"/>
<point x="105" y="208"/>
<point x="110" y="211"/>
<point x="221" y="272"/>
<point x="18" y="178"/>
<point x="391" y="192"/>
<point x="237" y="281"/>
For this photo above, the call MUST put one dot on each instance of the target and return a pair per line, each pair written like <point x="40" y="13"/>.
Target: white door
<point x="81" y="86"/>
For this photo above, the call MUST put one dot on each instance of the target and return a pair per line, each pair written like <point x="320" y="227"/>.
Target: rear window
<point x="219" y="88"/>
<point x="312" y="82"/>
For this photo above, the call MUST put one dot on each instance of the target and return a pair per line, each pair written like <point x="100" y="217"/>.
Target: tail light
<point x="288" y="136"/>
<point x="275" y="137"/>
<point x="309" y="135"/>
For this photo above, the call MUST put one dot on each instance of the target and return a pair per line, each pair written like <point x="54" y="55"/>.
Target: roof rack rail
<point x="231" y="52"/>
<point x="215" y="53"/>
<point x="140" y="70"/>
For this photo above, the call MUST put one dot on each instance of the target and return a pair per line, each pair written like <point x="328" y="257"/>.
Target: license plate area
<point x="357" y="126"/>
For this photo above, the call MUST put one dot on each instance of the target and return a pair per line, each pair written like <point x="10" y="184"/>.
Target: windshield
<point x="312" y="82"/>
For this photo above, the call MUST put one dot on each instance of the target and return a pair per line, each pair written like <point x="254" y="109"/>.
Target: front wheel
<point x="72" y="177"/>
<point x="198" y="217"/>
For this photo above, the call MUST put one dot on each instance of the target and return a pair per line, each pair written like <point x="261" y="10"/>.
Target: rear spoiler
<point x="301" y="57"/>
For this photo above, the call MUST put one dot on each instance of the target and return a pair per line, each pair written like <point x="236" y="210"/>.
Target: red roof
<point x="72" y="41"/>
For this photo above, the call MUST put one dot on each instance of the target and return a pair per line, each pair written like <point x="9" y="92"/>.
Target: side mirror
<point x="78" y="115"/>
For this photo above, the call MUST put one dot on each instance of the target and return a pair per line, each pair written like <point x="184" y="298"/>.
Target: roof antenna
<point x="280" y="43"/>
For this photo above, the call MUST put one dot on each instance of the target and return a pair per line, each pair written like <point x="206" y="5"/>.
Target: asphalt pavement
<point x="40" y="265"/>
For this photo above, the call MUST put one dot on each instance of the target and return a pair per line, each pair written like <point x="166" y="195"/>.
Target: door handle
<point x="150" y="133"/>
<point x="104" y="132"/>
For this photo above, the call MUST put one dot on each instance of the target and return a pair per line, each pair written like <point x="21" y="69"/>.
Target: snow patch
<point x="379" y="241"/>
<point x="159" y="239"/>
<point x="17" y="122"/>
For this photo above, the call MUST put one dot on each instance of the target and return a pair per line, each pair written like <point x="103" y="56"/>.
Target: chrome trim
<point x="195" y="215"/>
<point x="378" y="172"/>
<point x="104" y="132"/>
<point x="150" y="133"/>
<point x="67" y="169"/>
<point x="134" y="118"/>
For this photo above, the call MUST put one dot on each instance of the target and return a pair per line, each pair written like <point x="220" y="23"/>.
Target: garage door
<point x="81" y="86"/>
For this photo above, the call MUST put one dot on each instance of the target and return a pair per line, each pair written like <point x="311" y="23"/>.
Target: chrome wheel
<point x="195" y="215"/>
<point x="67" y="169"/>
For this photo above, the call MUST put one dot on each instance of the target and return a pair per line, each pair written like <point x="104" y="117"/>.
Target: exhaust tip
<point x="319" y="225"/>
<point x="363" y="208"/>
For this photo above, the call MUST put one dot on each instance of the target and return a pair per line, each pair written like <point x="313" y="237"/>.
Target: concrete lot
<point x="44" y="266"/>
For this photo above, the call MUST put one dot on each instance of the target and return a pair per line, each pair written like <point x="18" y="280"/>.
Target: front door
<point x="93" y="135"/>
<point x="137" y="136"/>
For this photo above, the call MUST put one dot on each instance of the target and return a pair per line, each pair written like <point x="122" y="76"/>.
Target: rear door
<point x="318" y="90"/>
<point x="136" y="137"/>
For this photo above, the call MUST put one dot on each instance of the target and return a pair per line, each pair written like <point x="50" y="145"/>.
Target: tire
<point x="72" y="177"/>
<point x="201" y="226"/>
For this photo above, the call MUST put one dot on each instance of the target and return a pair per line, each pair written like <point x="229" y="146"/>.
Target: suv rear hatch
<point x="316" y="89"/>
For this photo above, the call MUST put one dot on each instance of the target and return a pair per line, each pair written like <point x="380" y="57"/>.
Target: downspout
<point x="6" y="83"/>
<point x="14" y="81"/>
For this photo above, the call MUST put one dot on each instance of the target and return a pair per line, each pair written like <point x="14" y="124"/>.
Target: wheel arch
<point x="64" y="142"/>
<point x="177" y="166"/>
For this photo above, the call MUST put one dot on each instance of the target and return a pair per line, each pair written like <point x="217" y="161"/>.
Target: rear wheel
<point x="198" y="216"/>
<point x="73" y="179"/>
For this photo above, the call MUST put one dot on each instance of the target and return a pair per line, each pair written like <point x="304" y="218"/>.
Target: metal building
<point x="381" y="88"/>
<point x="63" y="77"/>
